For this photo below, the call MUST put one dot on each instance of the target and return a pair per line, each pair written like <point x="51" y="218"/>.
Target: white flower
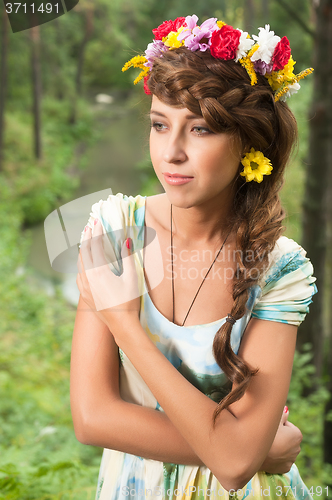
<point x="292" y="89"/>
<point x="245" y="45"/>
<point x="267" y="42"/>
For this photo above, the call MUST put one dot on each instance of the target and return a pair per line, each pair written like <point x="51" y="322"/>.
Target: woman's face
<point x="181" y="143"/>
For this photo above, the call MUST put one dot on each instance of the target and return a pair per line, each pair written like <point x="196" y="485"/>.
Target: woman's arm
<point x="236" y="449"/>
<point x="100" y="416"/>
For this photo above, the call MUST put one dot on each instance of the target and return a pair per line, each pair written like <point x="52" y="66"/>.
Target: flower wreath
<point x="266" y="54"/>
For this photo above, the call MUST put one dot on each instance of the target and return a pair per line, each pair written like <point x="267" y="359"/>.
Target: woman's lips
<point x="176" y="180"/>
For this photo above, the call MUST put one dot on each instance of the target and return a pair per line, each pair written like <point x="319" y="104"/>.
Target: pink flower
<point x="154" y="49"/>
<point x="225" y="42"/>
<point x="198" y="37"/>
<point x="281" y="54"/>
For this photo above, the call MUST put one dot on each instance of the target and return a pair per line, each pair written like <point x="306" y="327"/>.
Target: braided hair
<point x="222" y="93"/>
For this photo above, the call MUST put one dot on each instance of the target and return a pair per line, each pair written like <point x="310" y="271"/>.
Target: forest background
<point x="63" y="100"/>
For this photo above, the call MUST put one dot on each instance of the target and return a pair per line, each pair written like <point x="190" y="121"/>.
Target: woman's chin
<point x="180" y="200"/>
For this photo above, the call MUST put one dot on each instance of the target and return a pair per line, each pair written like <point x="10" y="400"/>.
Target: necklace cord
<point x="230" y="318"/>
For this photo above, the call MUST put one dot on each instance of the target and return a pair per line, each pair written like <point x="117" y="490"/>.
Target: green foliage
<point x="293" y="190"/>
<point x="150" y="182"/>
<point x="41" y="482"/>
<point x="39" y="454"/>
<point x="307" y="413"/>
<point x="40" y="457"/>
<point x="285" y="24"/>
<point x="39" y="185"/>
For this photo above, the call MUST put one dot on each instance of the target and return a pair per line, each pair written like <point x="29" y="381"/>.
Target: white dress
<point x="284" y="295"/>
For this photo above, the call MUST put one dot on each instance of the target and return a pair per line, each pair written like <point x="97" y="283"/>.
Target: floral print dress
<point x="283" y="295"/>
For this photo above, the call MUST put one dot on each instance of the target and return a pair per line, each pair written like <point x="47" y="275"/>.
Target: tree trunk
<point x="36" y="89"/>
<point x="86" y="38"/>
<point x="3" y="81"/>
<point x="315" y="200"/>
<point x="59" y="90"/>
<point x="87" y="34"/>
<point x="328" y="408"/>
<point x="249" y="15"/>
<point x="327" y="433"/>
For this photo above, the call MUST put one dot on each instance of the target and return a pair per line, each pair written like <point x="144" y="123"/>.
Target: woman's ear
<point x="245" y="149"/>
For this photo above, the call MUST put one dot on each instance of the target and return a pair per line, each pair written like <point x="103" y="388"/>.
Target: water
<point x="110" y="165"/>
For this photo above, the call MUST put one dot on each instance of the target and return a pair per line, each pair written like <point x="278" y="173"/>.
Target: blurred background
<point x="71" y="123"/>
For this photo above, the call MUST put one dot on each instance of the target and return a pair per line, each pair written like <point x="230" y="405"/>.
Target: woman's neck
<point x="202" y="224"/>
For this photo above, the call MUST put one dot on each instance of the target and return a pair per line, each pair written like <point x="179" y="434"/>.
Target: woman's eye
<point x="201" y="130"/>
<point x="157" y="126"/>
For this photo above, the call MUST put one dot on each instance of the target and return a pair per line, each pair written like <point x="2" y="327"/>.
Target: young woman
<point x="201" y="287"/>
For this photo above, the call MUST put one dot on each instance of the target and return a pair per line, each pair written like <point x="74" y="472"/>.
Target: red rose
<point x="146" y="88"/>
<point x="225" y="42"/>
<point x="179" y="21"/>
<point x="281" y="54"/>
<point x="168" y="26"/>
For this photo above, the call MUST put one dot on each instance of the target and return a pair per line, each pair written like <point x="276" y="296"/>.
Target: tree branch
<point x="297" y="18"/>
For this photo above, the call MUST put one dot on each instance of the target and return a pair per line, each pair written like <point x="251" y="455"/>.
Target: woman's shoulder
<point x="153" y="210"/>
<point x="286" y="257"/>
<point x="119" y="211"/>
<point x="287" y="286"/>
<point x="286" y="245"/>
<point x="155" y="203"/>
<point x="123" y="202"/>
<point x="157" y="209"/>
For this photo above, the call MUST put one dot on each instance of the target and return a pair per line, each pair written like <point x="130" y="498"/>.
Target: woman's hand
<point x="114" y="298"/>
<point x="285" y="447"/>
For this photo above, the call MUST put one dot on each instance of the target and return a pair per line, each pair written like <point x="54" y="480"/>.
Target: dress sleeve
<point x="121" y="217"/>
<point x="288" y="285"/>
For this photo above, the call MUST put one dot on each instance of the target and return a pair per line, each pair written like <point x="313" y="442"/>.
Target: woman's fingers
<point x="285" y="447"/>
<point x="100" y="288"/>
<point x="296" y="433"/>
<point x="86" y="249"/>
<point x="284" y="416"/>
<point x="97" y="250"/>
<point x="129" y="268"/>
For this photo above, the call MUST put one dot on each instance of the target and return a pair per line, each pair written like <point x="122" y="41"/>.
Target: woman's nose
<point x="174" y="151"/>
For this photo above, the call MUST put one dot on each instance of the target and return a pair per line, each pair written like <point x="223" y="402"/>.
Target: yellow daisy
<point x="255" y="166"/>
<point x="171" y="40"/>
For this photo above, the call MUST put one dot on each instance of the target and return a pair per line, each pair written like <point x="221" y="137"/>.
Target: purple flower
<point x="193" y="34"/>
<point x="154" y="49"/>
<point x="262" y="67"/>
<point x="210" y="25"/>
<point x="191" y="22"/>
